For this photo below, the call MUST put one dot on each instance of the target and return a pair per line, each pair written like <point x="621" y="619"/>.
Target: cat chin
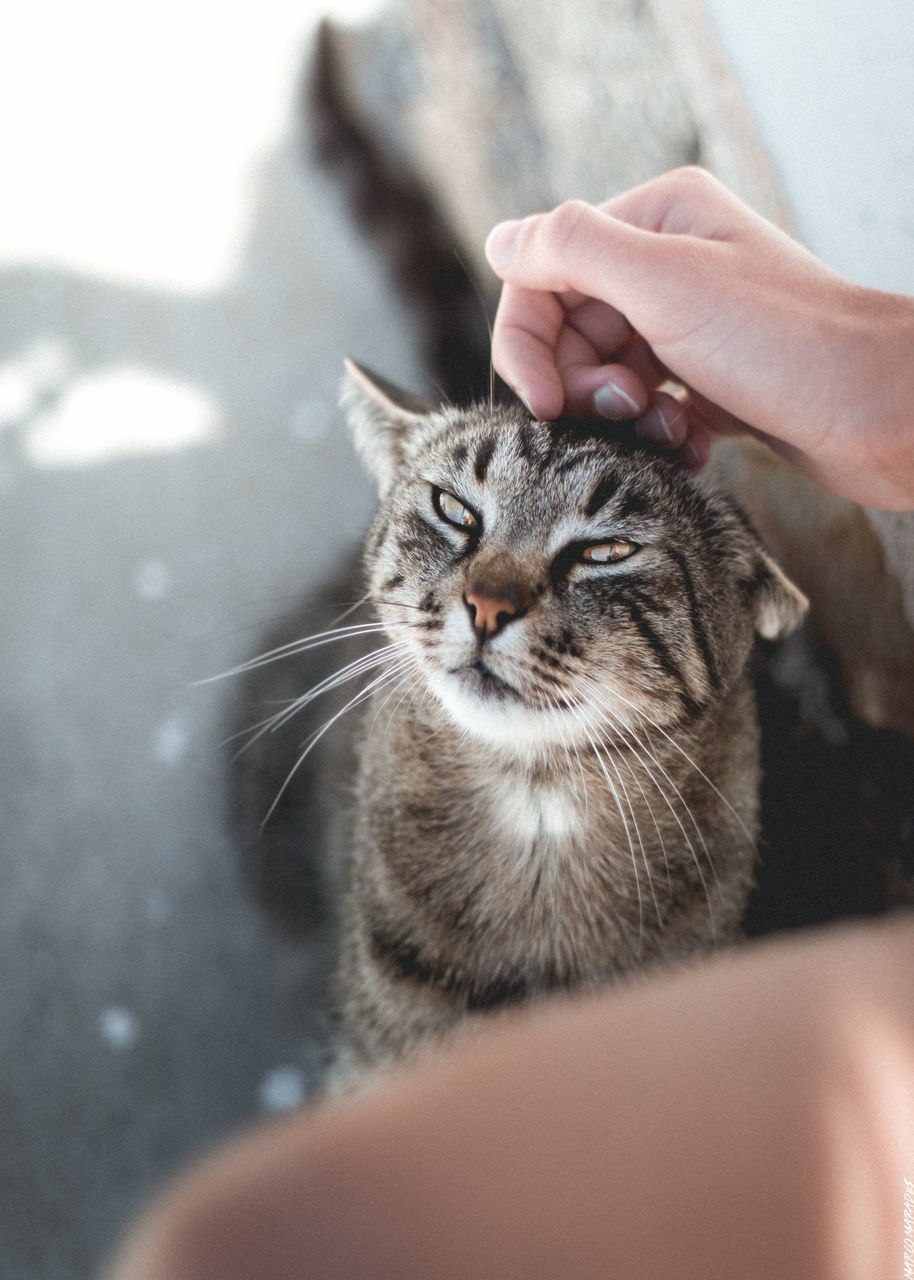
<point x="505" y="720"/>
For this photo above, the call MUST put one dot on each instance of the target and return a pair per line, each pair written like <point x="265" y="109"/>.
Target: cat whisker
<point x="646" y="757"/>
<point x="668" y="783"/>
<point x="685" y="755"/>
<point x="296" y="647"/>
<point x="645" y="754"/>
<point x="357" y="604"/>
<point x="650" y="808"/>
<point x="350" y="672"/>
<point x="599" y="758"/>
<point x="611" y="757"/>
<point x="313" y="739"/>
<point x="402" y="687"/>
<point x="397" y="604"/>
<point x="696" y="859"/>
<point x="443" y="396"/>
<point x="359" y="666"/>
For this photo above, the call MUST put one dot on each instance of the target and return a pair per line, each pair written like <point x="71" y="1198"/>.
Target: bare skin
<point x="753" y="1117"/>
<point x="679" y="279"/>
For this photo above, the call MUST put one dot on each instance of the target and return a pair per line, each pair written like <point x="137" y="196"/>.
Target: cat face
<point x="549" y="584"/>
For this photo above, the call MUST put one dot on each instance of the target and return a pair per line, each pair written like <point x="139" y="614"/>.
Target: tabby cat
<point x="557" y="779"/>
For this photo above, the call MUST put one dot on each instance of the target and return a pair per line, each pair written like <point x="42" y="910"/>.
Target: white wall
<point x="831" y="86"/>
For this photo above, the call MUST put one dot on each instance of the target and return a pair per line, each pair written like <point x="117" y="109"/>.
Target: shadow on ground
<point x="173" y="473"/>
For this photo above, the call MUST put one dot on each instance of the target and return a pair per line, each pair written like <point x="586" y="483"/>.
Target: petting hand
<point x="677" y="279"/>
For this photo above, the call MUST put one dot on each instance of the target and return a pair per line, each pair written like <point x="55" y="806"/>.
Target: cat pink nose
<point x="490" y="614"/>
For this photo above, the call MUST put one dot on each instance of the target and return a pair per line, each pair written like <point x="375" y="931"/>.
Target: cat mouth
<point x="485" y="682"/>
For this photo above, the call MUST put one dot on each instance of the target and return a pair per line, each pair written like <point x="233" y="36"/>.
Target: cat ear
<point x="381" y="418"/>
<point x="779" y="605"/>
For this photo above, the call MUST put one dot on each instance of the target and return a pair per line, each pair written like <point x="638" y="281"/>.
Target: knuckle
<point x="692" y="178"/>
<point x="564" y="223"/>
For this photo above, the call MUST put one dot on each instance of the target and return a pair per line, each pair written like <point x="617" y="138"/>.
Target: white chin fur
<point x="504" y="722"/>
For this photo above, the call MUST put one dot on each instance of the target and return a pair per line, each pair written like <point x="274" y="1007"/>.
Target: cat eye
<point x="609" y="552"/>
<point x="453" y="510"/>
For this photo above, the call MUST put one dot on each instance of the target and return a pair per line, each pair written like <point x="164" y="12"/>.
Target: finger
<point x="714" y="421"/>
<point x="546" y="298"/>
<point x="592" y="386"/>
<point x="605" y="328"/>
<point x="639" y="356"/>
<point x="708" y="424"/>
<point x="696" y="450"/>
<point x="610" y="391"/>
<point x="524" y="338"/>
<point x="664" y="422"/>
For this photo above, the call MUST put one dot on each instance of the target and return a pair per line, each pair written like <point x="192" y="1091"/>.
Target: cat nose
<point x="491" y="614"/>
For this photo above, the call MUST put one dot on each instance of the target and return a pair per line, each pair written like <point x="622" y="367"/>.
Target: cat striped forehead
<point x="565" y="466"/>
<point x="542" y="466"/>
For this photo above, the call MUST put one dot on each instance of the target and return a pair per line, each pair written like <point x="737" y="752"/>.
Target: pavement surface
<point x="174" y="473"/>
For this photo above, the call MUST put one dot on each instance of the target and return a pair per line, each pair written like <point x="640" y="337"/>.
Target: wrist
<point x="876" y="421"/>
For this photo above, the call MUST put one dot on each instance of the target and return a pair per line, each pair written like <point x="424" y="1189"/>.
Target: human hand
<point x="678" y="279"/>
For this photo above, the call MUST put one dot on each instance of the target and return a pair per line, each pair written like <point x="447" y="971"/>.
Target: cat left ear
<point x="381" y="417"/>
<point x="779" y="606"/>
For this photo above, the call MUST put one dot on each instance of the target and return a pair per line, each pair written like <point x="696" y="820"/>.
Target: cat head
<point x="553" y="581"/>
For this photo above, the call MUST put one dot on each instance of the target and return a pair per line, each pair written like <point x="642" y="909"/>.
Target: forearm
<point x="877" y="411"/>
<point x="753" y="1117"/>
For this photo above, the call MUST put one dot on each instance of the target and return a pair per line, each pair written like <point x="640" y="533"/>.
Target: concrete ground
<point x="179" y="290"/>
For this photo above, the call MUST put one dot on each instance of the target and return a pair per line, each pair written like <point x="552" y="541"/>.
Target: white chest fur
<point x="532" y="815"/>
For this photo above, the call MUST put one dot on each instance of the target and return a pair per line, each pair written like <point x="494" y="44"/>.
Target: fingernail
<point x="501" y="245"/>
<point x="655" y="427"/>
<point x="610" y="401"/>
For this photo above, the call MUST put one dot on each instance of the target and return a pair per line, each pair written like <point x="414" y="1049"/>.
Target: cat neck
<point x="644" y="755"/>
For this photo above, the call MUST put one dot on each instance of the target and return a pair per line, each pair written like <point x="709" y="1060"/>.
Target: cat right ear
<point x="381" y="418"/>
<point x="779" y="605"/>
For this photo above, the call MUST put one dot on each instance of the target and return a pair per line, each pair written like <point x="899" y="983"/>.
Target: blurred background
<point x="179" y="283"/>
